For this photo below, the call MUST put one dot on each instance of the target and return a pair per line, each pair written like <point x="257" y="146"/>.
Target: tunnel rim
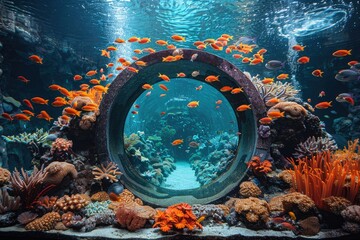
<point x="104" y="153"/>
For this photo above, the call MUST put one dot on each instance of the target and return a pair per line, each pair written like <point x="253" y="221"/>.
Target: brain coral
<point x="351" y="213"/>
<point x="45" y="223"/>
<point x="336" y="204"/>
<point x="133" y="216"/>
<point x="249" y="189"/>
<point x="291" y="109"/>
<point x="4" y="176"/>
<point x="297" y="200"/>
<point x="254" y="209"/>
<point x="56" y="171"/>
<point x="100" y="197"/>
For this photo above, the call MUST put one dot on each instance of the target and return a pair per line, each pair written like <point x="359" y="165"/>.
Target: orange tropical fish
<point x="226" y="89"/>
<point x="227" y="36"/>
<point x="144" y="40"/>
<point x="39" y="100"/>
<point x="119" y="40"/>
<point x="298" y="48"/>
<point x="303" y="60"/>
<point x="349" y="100"/>
<point x="201" y="47"/>
<point x="236" y="90"/>
<point x="28" y="104"/>
<point x="57" y="103"/>
<point x="317" y="73"/>
<point x="133" y="39"/>
<point x="138" y="51"/>
<point x="209" y="41"/>
<point x="222" y="39"/>
<point x="134" y="58"/>
<point x="120" y="68"/>
<point x="121" y="60"/>
<point x="216" y="47"/>
<point x="36" y="58"/>
<point x="27" y="112"/>
<point x="94" y="81"/>
<point x="44" y="115"/>
<point x="212" y="78"/>
<point x="193" y="104"/>
<point x="147" y="86"/>
<point x="21" y="116"/>
<point x="137" y="106"/>
<point x="72" y="112"/>
<point x="246" y="60"/>
<point x="162" y="113"/>
<point x="91" y="73"/>
<point x="109" y="65"/>
<point x="132" y="69"/>
<point x="197" y="43"/>
<point x="256" y="61"/>
<point x="65" y="118"/>
<point x="272" y="102"/>
<point x="88" y="108"/>
<point x="164" y="77"/>
<point x="177" y="142"/>
<point x="134" y="112"/>
<point x="54" y="87"/>
<point x="126" y="63"/>
<point x="7" y="116"/>
<point x="163" y="87"/>
<point x="228" y="50"/>
<point x="342" y="53"/>
<point x="323" y="105"/>
<point x="161" y="42"/>
<point x="141" y="63"/>
<point x="171" y="46"/>
<point x="23" y="79"/>
<point x="77" y="77"/>
<point x="168" y="59"/>
<point x="282" y="76"/>
<point x="65" y="92"/>
<point x="84" y="85"/>
<point x="218" y="102"/>
<point x="275" y="114"/>
<point x="105" y="53"/>
<point x="265" y="120"/>
<point x="103" y="77"/>
<point x="198" y="88"/>
<point x="111" y="48"/>
<point x="162" y="95"/>
<point x="110" y="75"/>
<point x="243" y="107"/>
<point x="178" y="38"/>
<point x="262" y="51"/>
<point x="101" y="70"/>
<point x="101" y="88"/>
<point x="237" y="56"/>
<point x="352" y="63"/>
<point x="149" y="50"/>
<point x="181" y="74"/>
<point x="268" y="81"/>
<point x="178" y="57"/>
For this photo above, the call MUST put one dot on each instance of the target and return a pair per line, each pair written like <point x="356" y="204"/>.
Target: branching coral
<point x="325" y="175"/>
<point x="314" y="145"/>
<point x="278" y="89"/>
<point x="4" y="176"/>
<point x="45" y="223"/>
<point x="258" y="167"/>
<point x="8" y="203"/>
<point x="176" y="217"/>
<point x="110" y="172"/>
<point x="29" y="187"/>
<point x="72" y="203"/>
<point x="39" y="137"/>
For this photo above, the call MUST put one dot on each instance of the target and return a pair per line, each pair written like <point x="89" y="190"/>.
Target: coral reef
<point x="336" y="204"/>
<point x="125" y="197"/>
<point x="4" y="176"/>
<point x="45" y="203"/>
<point x="39" y="137"/>
<point x="108" y="172"/>
<point x="132" y="216"/>
<point x="56" y="171"/>
<point x="291" y="110"/>
<point x="84" y="224"/>
<point x="29" y="187"/>
<point x="314" y="145"/>
<point x="296" y="201"/>
<point x="286" y="176"/>
<point x="73" y="203"/>
<point x="100" y="196"/>
<point x="351" y="216"/>
<point x="211" y="212"/>
<point x="258" y="167"/>
<point x="249" y="189"/>
<point x="324" y="176"/>
<point x="7" y="202"/>
<point x="176" y="217"/>
<point x="95" y="208"/>
<point x="61" y="149"/>
<point x="45" y="223"/>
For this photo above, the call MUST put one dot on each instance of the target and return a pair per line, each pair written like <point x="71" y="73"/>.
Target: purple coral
<point x="264" y="131"/>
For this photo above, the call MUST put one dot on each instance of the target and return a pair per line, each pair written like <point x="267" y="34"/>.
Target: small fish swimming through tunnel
<point x="185" y="138"/>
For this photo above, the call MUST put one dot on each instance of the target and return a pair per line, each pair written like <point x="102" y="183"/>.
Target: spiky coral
<point x="8" y="203"/>
<point x="278" y="89"/>
<point x="39" y="137"/>
<point x="325" y="175"/>
<point x="314" y="145"/>
<point x="178" y="216"/>
<point x="29" y="187"/>
<point x="110" y="172"/>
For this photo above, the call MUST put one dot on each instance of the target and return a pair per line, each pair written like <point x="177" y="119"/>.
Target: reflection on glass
<point x="182" y="138"/>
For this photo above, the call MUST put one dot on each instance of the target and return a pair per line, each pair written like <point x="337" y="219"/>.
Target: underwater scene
<point x="179" y="119"/>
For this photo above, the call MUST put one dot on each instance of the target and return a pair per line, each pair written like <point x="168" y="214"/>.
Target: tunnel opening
<point x="171" y="152"/>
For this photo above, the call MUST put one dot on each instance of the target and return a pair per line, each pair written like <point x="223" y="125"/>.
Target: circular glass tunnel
<point x="180" y="139"/>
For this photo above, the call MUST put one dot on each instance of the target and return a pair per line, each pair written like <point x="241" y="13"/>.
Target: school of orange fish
<point x="95" y="88"/>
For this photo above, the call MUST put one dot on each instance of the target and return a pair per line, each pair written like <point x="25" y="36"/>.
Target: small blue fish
<point x="274" y="65"/>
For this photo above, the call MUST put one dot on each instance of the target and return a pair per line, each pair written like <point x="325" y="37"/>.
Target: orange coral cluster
<point x="61" y="145"/>
<point x="178" y="216"/>
<point x="125" y="197"/>
<point x="327" y="174"/>
<point x="259" y="168"/>
<point x="4" y="176"/>
<point x="109" y="172"/>
<point x="72" y="203"/>
<point x="45" y="223"/>
<point x="46" y="203"/>
<point x="100" y="197"/>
